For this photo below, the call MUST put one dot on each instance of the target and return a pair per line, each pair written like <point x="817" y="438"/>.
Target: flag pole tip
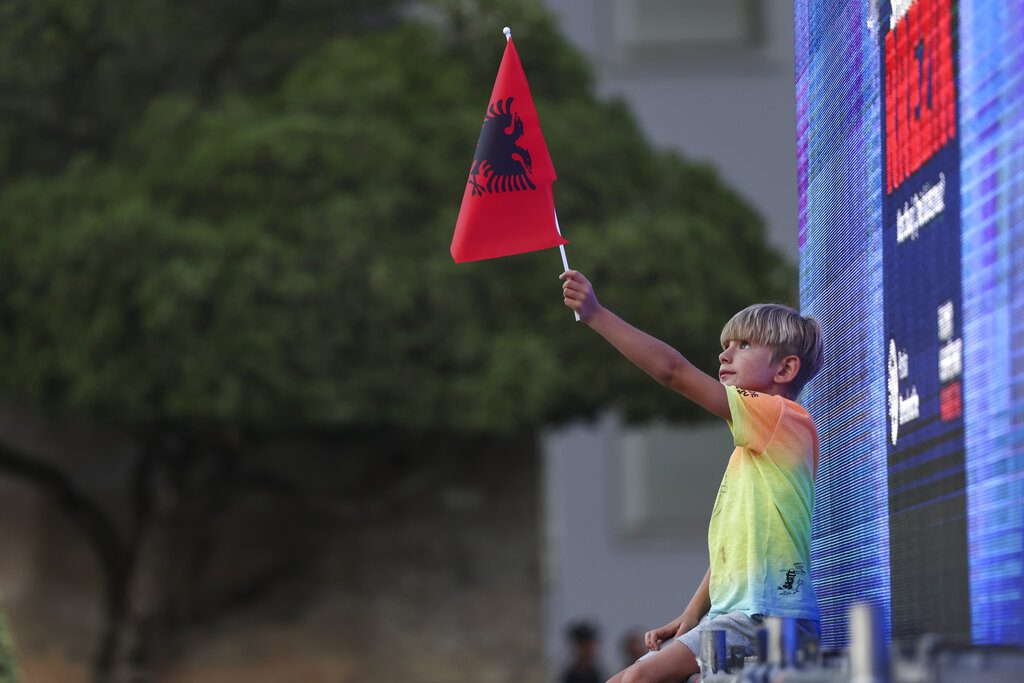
<point x="508" y="33"/>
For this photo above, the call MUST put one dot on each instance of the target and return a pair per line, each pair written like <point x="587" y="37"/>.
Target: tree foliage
<point x="75" y="74"/>
<point x="258" y="236"/>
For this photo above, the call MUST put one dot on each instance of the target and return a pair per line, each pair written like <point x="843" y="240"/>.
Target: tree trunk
<point x="134" y="632"/>
<point x="155" y="591"/>
<point x="84" y="513"/>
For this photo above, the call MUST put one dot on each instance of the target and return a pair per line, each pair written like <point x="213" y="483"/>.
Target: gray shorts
<point x="740" y="630"/>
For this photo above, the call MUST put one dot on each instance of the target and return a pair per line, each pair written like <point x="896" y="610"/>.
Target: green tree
<point x="8" y="672"/>
<point x="269" y="252"/>
<point x="75" y="74"/>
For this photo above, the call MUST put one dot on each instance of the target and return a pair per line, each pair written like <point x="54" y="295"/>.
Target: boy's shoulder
<point x="768" y="406"/>
<point x="763" y="398"/>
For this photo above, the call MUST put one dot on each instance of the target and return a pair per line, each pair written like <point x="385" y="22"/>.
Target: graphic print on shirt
<point x="792" y="581"/>
<point x="721" y="494"/>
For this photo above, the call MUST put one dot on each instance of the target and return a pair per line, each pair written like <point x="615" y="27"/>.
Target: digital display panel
<point x="911" y="195"/>
<point x="923" y="310"/>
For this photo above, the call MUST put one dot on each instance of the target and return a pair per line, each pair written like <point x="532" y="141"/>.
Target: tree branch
<point x="82" y="512"/>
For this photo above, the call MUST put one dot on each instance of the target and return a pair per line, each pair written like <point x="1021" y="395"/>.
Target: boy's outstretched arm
<point x="653" y="356"/>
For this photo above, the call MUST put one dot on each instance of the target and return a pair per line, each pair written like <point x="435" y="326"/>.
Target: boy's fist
<point x="579" y="294"/>
<point x="655" y="637"/>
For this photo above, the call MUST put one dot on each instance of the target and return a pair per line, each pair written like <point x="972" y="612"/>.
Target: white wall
<point x="731" y="104"/>
<point x="602" y="559"/>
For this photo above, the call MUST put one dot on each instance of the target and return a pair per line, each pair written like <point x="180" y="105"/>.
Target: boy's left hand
<point x="578" y="294"/>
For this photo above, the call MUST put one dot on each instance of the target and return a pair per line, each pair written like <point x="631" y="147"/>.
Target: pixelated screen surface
<point x="911" y="174"/>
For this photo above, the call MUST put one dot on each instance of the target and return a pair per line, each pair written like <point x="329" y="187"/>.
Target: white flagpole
<point x="561" y="247"/>
<point x="565" y="261"/>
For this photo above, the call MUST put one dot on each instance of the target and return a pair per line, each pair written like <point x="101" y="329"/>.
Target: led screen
<point x="911" y="200"/>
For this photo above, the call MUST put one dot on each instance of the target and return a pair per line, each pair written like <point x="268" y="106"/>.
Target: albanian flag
<point x="507" y="206"/>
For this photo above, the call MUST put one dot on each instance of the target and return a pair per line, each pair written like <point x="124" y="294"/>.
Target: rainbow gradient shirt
<point x="759" y="538"/>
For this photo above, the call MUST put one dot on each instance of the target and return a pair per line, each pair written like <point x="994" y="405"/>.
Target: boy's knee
<point x="637" y="674"/>
<point x="673" y="664"/>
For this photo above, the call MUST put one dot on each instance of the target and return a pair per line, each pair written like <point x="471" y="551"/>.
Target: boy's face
<point x="748" y="365"/>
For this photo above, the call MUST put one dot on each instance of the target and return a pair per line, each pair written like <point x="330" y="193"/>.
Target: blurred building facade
<point x="712" y="79"/>
<point x="626" y="510"/>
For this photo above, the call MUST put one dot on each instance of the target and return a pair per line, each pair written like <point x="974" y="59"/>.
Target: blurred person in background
<point x="633" y="647"/>
<point x="583" y="638"/>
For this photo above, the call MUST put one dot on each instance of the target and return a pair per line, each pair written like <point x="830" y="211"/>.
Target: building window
<point x="683" y="24"/>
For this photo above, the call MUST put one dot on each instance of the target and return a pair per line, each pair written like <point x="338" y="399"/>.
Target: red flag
<point x="507" y="207"/>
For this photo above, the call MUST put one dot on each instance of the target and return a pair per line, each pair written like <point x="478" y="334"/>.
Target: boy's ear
<point x="788" y="369"/>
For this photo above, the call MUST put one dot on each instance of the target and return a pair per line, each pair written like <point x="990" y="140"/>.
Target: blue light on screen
<point x="839" y="177"/>
<point x="992" y="217"/>
<point x="912" y="256"/>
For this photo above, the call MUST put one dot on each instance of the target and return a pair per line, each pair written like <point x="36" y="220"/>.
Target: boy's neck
<point x="776" y="390"/>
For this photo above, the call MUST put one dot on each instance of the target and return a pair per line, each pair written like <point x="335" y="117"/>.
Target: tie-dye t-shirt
<point x="760" y="533"/>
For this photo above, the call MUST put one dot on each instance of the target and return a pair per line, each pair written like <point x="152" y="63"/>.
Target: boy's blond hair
<point x="785" y="332"/>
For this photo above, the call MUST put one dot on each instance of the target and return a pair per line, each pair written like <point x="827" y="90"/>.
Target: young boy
<point x="760" y="530"/>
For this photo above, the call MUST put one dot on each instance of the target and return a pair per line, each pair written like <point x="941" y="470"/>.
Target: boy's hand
<point x="686" y="625"/>
<point x="579" y="294"/>
<point x="654" y="638"/>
